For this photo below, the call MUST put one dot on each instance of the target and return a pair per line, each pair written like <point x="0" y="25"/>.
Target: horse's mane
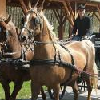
<point x="49" y="26"/>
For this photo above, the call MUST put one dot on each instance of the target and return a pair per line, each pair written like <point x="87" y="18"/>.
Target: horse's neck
<point x="44" y="49"/>
<point x="15" y="48"/>
<point x="14" y="43"/>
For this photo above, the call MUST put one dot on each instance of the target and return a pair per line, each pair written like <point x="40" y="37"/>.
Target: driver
<point x="81" y="25"/>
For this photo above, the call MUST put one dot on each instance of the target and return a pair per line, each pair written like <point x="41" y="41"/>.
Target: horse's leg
<point x="17" y="87"/>
<point x="56" y="89"/>
<point x="60" y="96"/>
<point x="75" y="90"/>
<point x="50" y="93"/>
<point x="6" y="87"/>
<point x="89" y="87"/>
<point x="35" y="90"/>
<point x="43" y="94"/>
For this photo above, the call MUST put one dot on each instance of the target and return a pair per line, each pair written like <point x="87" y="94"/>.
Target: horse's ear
<point x="40" y="8"/>
<point x="29" y="5"/>
<point x="8" y="19"/>
<point x="35" y="6"/>
<point x="3" y="24"/>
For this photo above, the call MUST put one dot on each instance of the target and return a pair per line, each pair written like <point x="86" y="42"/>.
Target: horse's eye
<point x="37" y="20"/>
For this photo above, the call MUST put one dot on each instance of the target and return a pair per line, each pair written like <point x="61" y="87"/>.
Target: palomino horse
<point x="53" y="62"/>
<point x="10" y="72"/>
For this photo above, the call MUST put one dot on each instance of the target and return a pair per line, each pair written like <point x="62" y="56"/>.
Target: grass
<point x="24" y="93"/>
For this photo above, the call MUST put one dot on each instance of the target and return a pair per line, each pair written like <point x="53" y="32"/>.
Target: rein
<point x="52" y="62"/>
<point x="51" y="42"/>
<point x="58" y="62"/>
<point x="30" y="32"/>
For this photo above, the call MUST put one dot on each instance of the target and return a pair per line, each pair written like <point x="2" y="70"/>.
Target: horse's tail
<point x="95" y="77"/>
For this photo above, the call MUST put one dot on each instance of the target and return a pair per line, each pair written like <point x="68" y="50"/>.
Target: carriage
<point x="19" y="62"/>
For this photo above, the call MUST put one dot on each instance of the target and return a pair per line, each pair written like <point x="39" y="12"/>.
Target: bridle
<point x="37" y="20"/>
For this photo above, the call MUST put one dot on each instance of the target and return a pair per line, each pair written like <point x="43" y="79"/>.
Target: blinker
<point x="37" y="21"/>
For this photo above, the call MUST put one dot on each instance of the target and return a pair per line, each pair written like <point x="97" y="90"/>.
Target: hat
<point x="81" y="6"/>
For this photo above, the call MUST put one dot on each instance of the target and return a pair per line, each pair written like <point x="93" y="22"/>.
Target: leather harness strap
<point x="57" y="61"/>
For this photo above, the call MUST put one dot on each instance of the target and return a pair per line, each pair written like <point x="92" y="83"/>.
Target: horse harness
<point x="25" y="49"/>
<point x="58" y="61"/>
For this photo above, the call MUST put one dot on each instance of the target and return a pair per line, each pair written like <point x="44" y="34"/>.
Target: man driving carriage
<point x="82" y="24"/>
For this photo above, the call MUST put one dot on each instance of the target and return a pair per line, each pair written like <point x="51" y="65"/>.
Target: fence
<point x="16" y="15"/>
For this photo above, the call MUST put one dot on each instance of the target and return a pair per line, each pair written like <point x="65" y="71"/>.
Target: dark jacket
<point x="82" y="26"/>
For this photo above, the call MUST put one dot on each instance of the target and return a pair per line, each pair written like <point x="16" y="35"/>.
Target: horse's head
<point x="32" y="25"/>
<point x="7" y="28"/>
<point x="3" y="26"/>
<point x="11" y="42"/>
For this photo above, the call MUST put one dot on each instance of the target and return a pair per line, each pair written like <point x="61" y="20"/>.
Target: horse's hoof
<point x="99" y="87"/>
<point x="12" y="98"/>
<point x="44" y="97"/>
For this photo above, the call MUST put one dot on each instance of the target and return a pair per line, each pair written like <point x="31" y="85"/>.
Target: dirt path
<point x="69" y="95"/>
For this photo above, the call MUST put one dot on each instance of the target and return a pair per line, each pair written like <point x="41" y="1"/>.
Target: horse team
<point x="51" y="62"/>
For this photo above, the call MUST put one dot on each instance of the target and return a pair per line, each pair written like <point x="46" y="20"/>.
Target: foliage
<point x="17" y="15"/>
<point x="95" y="24"/>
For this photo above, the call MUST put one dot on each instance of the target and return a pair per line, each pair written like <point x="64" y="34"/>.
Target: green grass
<point x="24" y="93"/>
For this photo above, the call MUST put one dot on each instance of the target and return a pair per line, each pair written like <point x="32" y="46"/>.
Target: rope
<point x="51" y="42"/>
<point x="85" y="72"/>
<point x="64" y="64"/>
<point x="20" y="62"/>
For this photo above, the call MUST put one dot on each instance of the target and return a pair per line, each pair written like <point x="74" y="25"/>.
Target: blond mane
<point x="49" y="26"/>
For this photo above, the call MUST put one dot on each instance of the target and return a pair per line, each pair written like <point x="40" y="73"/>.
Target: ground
<point x="69" y="95"/>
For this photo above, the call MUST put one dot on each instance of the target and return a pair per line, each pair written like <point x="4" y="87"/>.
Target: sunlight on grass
<point x="1" y="92"/>
<point x="24" y="93"/>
